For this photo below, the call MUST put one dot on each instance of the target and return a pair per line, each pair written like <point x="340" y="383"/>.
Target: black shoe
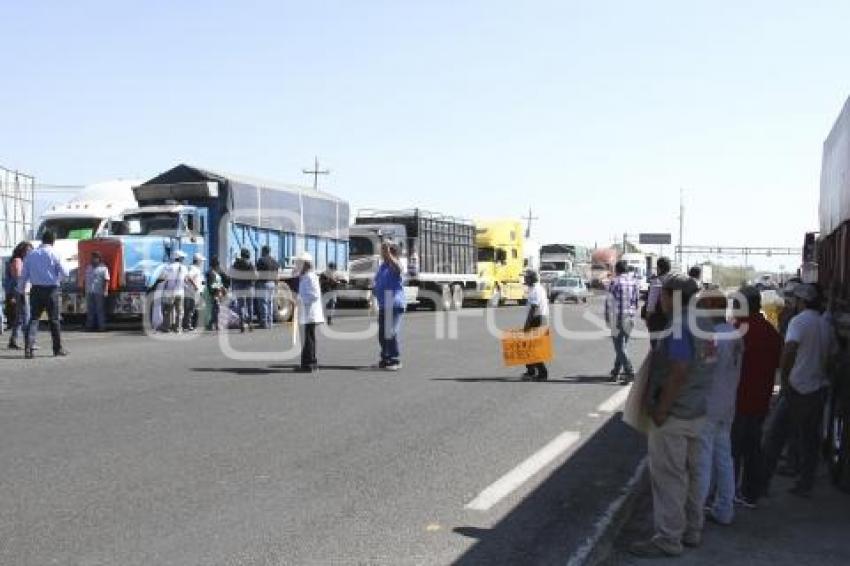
<point x="13" y="345"/>
<point x="528" y="376"/>
<point x="627" y="378"/>
<point x="612" y="377"/>
<point x="28" y="353"/>
<point x="541" y="377"/>
<point x="60" y="353"/>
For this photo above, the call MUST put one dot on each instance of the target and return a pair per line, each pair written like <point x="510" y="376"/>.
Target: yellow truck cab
<point x="499" y="245"/>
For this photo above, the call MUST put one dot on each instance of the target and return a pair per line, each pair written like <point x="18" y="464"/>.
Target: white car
<point x="569" y="288"/>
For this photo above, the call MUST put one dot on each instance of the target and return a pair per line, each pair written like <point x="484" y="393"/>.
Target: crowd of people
<point x="716" y="432"/>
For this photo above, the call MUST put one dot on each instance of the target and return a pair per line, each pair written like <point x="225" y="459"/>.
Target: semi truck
<point x="198" y="210"/>
<point x="602" y="262"/>
<point x="86" y="215"/>
<point x="829" y="251"/>
<point x="501" y="259"/>
<point x="437" y="252"/>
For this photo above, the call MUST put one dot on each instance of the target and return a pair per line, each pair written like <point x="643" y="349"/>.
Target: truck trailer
<point x="197" y="210"/>
<point x="831" y="250"/>
<point x="437" y="252"/>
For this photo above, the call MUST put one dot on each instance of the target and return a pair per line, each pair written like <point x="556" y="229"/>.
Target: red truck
<point x="826" y="257"/>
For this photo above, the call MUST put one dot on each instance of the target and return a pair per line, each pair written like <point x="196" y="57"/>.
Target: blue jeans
<point x="389" y="327"/>
<point x="21" y="317"/>
<point x="95" y="311"/>
<point x="244" y="292"/>
<point x="44" y="299"/>
<point x="717" y="469"/>
<point x="266" y="291"/>
<point x="620" y="337"/>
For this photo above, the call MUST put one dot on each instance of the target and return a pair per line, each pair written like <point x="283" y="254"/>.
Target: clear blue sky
<point x="592" y="113"/>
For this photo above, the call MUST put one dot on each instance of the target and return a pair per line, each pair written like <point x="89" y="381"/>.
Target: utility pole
<point x="316" y="172"/>
<point x="529" y="219"/>
<point x="681" y="228"/>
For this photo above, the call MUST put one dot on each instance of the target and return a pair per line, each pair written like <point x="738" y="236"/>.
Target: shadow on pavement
<point x="495" y="380"/>
<point x="559" y="515"/>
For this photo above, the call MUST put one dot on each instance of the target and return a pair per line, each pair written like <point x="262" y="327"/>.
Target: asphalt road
<point x="142" y="451"/>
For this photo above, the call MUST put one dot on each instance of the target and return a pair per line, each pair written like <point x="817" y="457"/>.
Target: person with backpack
<point x="16" y="302"/>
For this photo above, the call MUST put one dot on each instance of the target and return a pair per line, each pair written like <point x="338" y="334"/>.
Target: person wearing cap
<point x="310" y="313"/>
<point x="716" y="440"/>
<point x="620" y="309"/>
<point x="267" y="275"/>
<point x="242" y="279"/>
<point x="537" y="316"/>
<point x="388" y="290"/>
<point x="194" y="286"/>
<point x="809" y="344"/>
<point x="173" y="279"/>
<point x="762" y="348"/>
<point x="97" y="289"/>
<point x="679" y="377"/>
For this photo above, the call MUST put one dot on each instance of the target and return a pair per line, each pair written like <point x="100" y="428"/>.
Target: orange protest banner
<point x="521" y="348"/>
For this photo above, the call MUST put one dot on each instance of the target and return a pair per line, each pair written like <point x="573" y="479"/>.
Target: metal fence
<point x="17" y="202"/>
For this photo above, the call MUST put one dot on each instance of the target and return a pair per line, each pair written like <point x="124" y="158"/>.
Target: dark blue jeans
<point x="620" y="337"/>
<point x="389" y="327"/>
<point x="95" y="311"/>
<point x="44" y="299"/>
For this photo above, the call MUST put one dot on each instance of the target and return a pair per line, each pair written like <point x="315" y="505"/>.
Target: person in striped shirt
<point x="620" y="309"/>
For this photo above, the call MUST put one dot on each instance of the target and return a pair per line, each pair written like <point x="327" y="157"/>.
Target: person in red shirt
<point x="762" y="350"/>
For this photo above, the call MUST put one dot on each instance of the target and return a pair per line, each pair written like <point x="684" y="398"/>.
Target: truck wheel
<point x="284" y="311"/>
<point x="496" y="299"/>
<point x="445" y="302"/>
<point x="457" y="297"/>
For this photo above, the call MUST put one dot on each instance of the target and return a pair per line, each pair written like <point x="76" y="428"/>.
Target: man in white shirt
<point x="174" y="289"/>
<point x="809" y="344"/>
<point x="537" y="316"/>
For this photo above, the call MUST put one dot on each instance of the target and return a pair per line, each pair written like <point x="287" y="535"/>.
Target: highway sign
<point x="651" y="238"/>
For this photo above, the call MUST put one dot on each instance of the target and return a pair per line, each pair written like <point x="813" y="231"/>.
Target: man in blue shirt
<point x="44" y="271"/>
<point x="389" y="292"/>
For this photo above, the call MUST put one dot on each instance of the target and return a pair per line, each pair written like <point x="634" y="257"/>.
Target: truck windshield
<point x="360" y="246"/>
<point x="70" y="228"/>
<point x="486" y="254"/>
<point x="149" y="223"/>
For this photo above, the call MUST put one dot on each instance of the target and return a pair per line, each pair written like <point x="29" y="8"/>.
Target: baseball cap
<point x="199" y="257"/>
<point x="178" y="254"/>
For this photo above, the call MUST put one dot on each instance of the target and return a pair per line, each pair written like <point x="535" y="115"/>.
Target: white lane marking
<point x="593" y="415"/>
<point x="505" y="485"/>
<point x="615" y="401"/>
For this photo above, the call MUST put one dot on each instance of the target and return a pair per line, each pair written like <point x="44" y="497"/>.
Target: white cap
<point x="178" y="254"/>
<point x="198" y="257"/>
<point x="306" y="256"/>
